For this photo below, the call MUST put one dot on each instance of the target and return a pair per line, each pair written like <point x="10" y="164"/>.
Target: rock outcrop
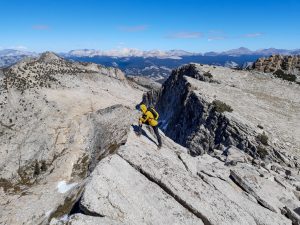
<point x="206" y="108"/>
<point x="284" y="67"/>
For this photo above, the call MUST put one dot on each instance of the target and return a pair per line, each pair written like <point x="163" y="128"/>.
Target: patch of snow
<point x="247" y="65"/>
<point x="63" y="187"/>
<point x="48" y="213"/>
<point x="231" y="64"/>
<point x="169" y="57"/>
<point x="150" y="68"/>
<point x="158" y="77"/>
<point x="64" y="218"/>
<point x="60" y="221"/>
<point x="166" y="68"/>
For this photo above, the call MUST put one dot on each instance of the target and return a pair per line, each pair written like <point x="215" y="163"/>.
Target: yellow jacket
<point x="147" y="118"/>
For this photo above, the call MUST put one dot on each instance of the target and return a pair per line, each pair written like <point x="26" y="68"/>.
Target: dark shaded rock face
<point x="197" y="125"/>
<point x="185" y="117"/>
<point x="194" y="121"/>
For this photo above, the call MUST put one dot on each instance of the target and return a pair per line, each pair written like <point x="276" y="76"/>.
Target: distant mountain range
<point x="262" y="52"/>
<point x="127" y="52"/>
<point x="11" y="56"/>
<point x="176" y="54"/>
<point x="156" y="64"/>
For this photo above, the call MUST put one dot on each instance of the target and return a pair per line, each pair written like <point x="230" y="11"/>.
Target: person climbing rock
<point x="150" y="117"/>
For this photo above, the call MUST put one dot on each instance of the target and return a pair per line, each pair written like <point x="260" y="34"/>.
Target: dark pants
<point x="157" y="135"/>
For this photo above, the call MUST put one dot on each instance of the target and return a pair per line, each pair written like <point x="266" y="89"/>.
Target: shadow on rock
<point x="139" y="131"/>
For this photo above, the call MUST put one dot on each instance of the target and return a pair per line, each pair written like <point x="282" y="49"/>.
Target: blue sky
<point x="193" y="25"/>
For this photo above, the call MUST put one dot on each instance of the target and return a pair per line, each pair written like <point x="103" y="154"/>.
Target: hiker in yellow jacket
<point x="150" y="117"/>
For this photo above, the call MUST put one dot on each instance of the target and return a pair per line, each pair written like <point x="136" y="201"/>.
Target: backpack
<point x="154" y="113"/>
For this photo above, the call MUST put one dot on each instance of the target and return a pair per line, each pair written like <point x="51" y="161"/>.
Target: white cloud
<point x="185" y="35"/>
<point x="252" y="35"/>
<point x="216" y="38"/>
<point x="133" y="28"/>
<point x="219" y="35"/>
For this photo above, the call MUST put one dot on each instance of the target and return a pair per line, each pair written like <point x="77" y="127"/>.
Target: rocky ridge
<point x="32" y="73"/>
<point x="198" y="111"/>
<point x="57" y="121"/>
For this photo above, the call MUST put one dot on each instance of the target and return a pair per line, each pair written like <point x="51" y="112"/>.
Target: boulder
<point x="235" y="156"/>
